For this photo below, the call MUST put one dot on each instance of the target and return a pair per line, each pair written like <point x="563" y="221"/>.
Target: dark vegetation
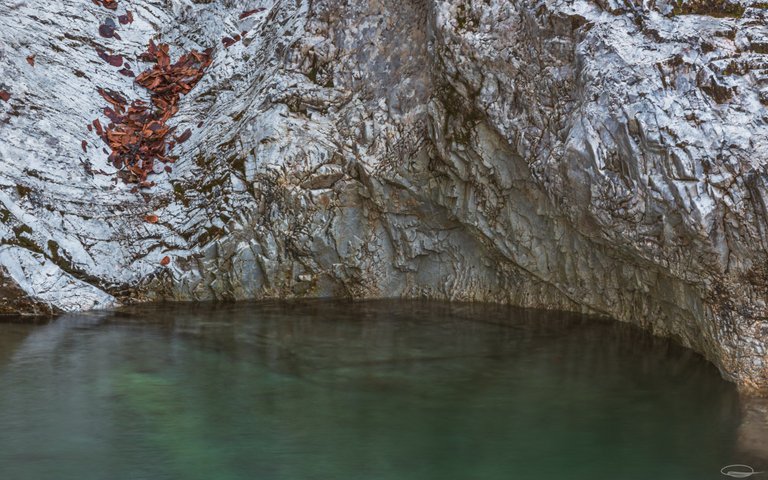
<point x="713" y="8"/>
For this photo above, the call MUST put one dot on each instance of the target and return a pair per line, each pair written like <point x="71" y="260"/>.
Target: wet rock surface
<point x="597" y="156"/>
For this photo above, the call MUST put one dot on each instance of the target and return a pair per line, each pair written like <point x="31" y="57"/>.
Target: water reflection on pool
<point x="374" y="390"/>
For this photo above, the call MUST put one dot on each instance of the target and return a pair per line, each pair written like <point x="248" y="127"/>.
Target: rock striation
<point x="600" y="156"/>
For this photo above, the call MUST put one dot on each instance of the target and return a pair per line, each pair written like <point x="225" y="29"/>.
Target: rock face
<point x="598" y="156"/>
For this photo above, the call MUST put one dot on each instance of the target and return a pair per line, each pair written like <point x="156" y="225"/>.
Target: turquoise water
<point x="375" y="390"/>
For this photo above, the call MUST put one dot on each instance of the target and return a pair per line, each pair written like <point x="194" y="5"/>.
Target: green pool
<point x="375" y="390"/>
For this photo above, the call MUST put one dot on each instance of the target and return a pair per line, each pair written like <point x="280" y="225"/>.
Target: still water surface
<point x="374" y="390"/>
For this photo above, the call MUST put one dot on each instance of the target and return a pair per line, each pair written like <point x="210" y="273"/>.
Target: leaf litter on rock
<point x="138" y="134"/>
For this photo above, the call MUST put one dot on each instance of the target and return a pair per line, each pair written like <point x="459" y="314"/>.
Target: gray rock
<point x="597" y="156"/>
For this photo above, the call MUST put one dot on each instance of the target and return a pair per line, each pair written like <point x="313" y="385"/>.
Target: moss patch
<point x="712" y="8"/>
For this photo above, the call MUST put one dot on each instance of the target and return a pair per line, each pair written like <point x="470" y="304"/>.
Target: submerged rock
<point x="597" y="156"/>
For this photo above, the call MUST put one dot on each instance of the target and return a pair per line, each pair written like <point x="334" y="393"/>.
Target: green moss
<point x="178" y="193"/>
<point x="210" y="185"/>
<point x="210" y="233"/>
<point x="312" y="75"/>
<point x="23" y="191"/>
<point x="461" y="17"/>
<point x="237" y="162"/>
<point x="456" y="107"/>
<point x="53" y="247"/>
<point x="733" y="68"/>
<point x="228" y="145"/>
<point x="21" y="230"/>
<point x="23" y="241"/>
<point x="712" y="8"/>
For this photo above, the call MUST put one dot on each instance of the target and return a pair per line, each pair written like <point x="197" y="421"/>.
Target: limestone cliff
<point x="600" y="156"/>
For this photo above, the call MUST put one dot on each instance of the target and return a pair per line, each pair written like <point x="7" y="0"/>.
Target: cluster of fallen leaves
<point x="137" y="133"/>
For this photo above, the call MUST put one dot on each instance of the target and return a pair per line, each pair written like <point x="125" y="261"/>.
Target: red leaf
<point x="151" y="219"/>
<point x="84" y="144"/>
<point x="184" y="136"/>
<point x="126" y="19"/>
<point x="114" y="60"/>
<point x="111" y="115"/>
<point x="4" y="96"/>
<point x="97" y="126"/>
<point x="112" y="97"/>
<point x="106" y="31"/>
<point x="228" y="42"/>
<point x="248" y="13"/>
<point x="31" y="60"/>
<point x="165" y="261"/>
